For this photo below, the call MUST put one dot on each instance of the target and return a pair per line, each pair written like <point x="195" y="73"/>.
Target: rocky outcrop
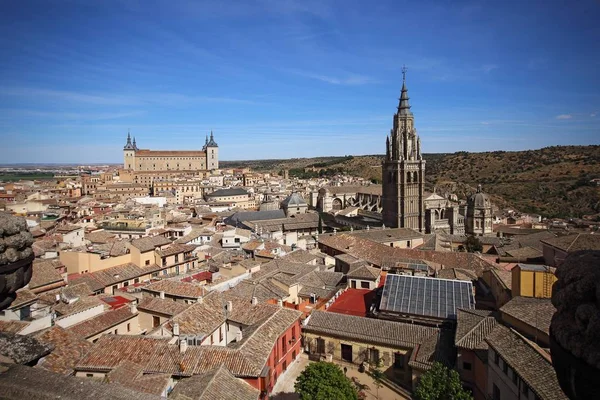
<point x="16" y="257"/>
<point x="575" y="327"/>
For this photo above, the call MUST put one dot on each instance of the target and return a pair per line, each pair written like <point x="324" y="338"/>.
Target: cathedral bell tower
<point x="403" y="171"/>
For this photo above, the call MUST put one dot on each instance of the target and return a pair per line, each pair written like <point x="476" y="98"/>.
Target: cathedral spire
<point x="404" y="106"/>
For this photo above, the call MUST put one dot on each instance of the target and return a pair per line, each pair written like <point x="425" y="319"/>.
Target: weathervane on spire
<point x="404" y="69"/>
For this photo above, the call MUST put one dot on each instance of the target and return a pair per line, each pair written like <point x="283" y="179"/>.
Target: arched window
<point x="415" y="177"/>
<point x="408" y="177"/>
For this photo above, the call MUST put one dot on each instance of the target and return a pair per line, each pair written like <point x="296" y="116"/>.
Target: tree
<point x="441" y="383"/>
<point x="324" y="381"/>
<point x="472" y="244"/>
<point x="377" y="376"/>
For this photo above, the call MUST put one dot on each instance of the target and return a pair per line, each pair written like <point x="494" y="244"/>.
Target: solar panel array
<point x="426" y="296"/>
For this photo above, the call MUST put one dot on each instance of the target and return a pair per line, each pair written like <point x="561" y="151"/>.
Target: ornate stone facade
<point x="403" y="171"/>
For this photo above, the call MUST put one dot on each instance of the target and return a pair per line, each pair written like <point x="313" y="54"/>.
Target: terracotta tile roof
<point x="531" y="363"/>
<point x="176" y="288"/>
<point x="45" y="273"/>
<point x="364" y="272"/>
<point x="162" y="306"/>
<point x="68" y="228"/>
<point x="130" y="375"/>
<point x="576" y="242"/>
<point x="22" y="349"/>
<point x="369" y="330"/>
<point x="110" y="350"/>
<point x="101" y="236"/>
<point x="300" y="256"/>
<point x="200" y="320"/>
<point x="536" y="313"/>
<point x="82" y="304"/>
<point x="457" y="274"/>
<point x="505" y="277"/>
<point x="13" y="326"/>
<point x="68" y="350"/>
<point x="388" y="235"/>
<point x="21" y="382"/>
<point x="381" y="255"/>
<point x="218" y="384"/>
<point x="435" y="348"/>
<point x="472" y="327"/>
<point x="102" y="322"/>
<point x="24" y="297"/>
<point x="149" y="243"/>
<point x="176" y="249"/>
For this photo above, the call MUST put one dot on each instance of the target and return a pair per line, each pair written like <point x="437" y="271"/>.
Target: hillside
<point x="553" y="181"/>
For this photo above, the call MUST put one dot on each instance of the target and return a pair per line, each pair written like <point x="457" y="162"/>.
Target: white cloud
<point x="348" y="79"/>
<point x="594" y="114"/>
<point x="564" y="116"/>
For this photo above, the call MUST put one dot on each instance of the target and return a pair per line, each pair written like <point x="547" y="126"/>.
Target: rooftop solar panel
<point x="425" y="296"/>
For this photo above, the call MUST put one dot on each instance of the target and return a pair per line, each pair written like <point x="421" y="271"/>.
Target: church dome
<point x="479" y="199"/>
<point x="294" y="200"/>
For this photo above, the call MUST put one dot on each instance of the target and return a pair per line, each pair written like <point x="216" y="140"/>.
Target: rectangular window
<point x="283" y="345"/>
<point x="128" y="327"/>
<point x="495" y="392"/>
<point x="525" y="389"/>
<point x="497" y="359"/>
<point x="321" y="346"/>
<point x="155" y="321"/>
<point x="364" y="285"/>
<point x="466" y="366"/>
<point x="89" y="375"/>
<point x="293" y="332"/>
<point x="374" y="356"/>
<point x="398" y="361"/>
<point x="147" y="262"/>
<point x="504" y="367"/>
<point x="220" y="334"/>
<point x="515" y="378"/>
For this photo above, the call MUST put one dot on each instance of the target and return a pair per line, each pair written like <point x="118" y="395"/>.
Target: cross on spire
<point x="404" y="69"/>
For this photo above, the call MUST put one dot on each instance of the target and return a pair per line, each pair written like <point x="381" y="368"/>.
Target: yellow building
<point x="530" y="280"/>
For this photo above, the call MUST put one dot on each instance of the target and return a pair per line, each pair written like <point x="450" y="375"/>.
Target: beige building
<point x="403" y="351"/>
<point x="136" y="159"/>
<point x="234" y="197"/>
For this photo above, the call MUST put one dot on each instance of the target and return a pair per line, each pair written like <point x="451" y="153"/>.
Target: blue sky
<point x="284" y="78"/>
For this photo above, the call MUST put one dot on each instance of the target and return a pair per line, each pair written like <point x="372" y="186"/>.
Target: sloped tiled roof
<point x="45" y="273"/>
<point x="472" y="327"/>
<point x="68" y="350"/>
<point x="576" y="242"/>
<point x="364" y="272"/>
<point x="530" y="362"/>
<point x="536" y="313"/>
<point x="176" y="288"/>
<point x="130" y="374"/>
<point x="162" y="306"/>
<point x="150" y="243"/>
<point x="218" y="384"/>
<point x="199" y="319"/>
<point x="102" y="322"/>
<point x="110" y="350"/>
<point x="368" y="329"/>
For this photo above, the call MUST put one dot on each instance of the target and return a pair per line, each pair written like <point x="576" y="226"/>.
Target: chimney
<point x="57" y="298"/>
<point x="200" y="300"/>
<point x="183" y="345"/>
<point x="161" y="295"/>
<point x="229" y="306"/>
<point x="238" y="336"/>
<point x="175" y="329"/>
<point x="133" y="307"/>
<point x="254" y="301"/>
<point x="280" y="303"/>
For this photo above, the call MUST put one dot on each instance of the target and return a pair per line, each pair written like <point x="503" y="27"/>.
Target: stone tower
<point x="403" y="171"/>
<point x="212" y="153"/>
<point x="129" y="153"/>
